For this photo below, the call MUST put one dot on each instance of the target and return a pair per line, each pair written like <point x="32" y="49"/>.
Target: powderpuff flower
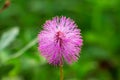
<point x="60" y="40"/>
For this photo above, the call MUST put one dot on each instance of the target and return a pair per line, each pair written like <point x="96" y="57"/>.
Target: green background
<point x="99" y="21"/>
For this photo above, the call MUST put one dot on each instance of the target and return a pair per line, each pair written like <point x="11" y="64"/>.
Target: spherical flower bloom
<point x="60" y="40"/>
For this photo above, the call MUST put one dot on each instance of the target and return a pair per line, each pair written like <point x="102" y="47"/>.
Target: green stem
<point x="61" y="71"/>
<point x="22" y="51"/>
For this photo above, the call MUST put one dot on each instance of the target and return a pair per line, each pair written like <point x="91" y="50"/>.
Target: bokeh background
<point x="20" y="23"/>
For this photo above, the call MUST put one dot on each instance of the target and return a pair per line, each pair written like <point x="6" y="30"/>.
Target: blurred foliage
<point x="20" y="23"/>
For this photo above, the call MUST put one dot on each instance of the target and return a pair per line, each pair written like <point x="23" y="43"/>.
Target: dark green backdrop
<point x="99" y="21"/>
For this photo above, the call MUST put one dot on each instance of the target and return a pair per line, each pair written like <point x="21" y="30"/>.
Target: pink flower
<point x="60" y="39"/>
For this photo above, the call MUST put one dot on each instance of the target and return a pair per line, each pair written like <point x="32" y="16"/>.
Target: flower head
<point x="60" y="39"/>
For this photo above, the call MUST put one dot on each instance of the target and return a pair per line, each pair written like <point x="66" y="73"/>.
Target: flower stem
<point x="61" y="71"/>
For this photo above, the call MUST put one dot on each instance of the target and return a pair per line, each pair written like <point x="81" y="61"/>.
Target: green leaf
<point x="8" y="37"/>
